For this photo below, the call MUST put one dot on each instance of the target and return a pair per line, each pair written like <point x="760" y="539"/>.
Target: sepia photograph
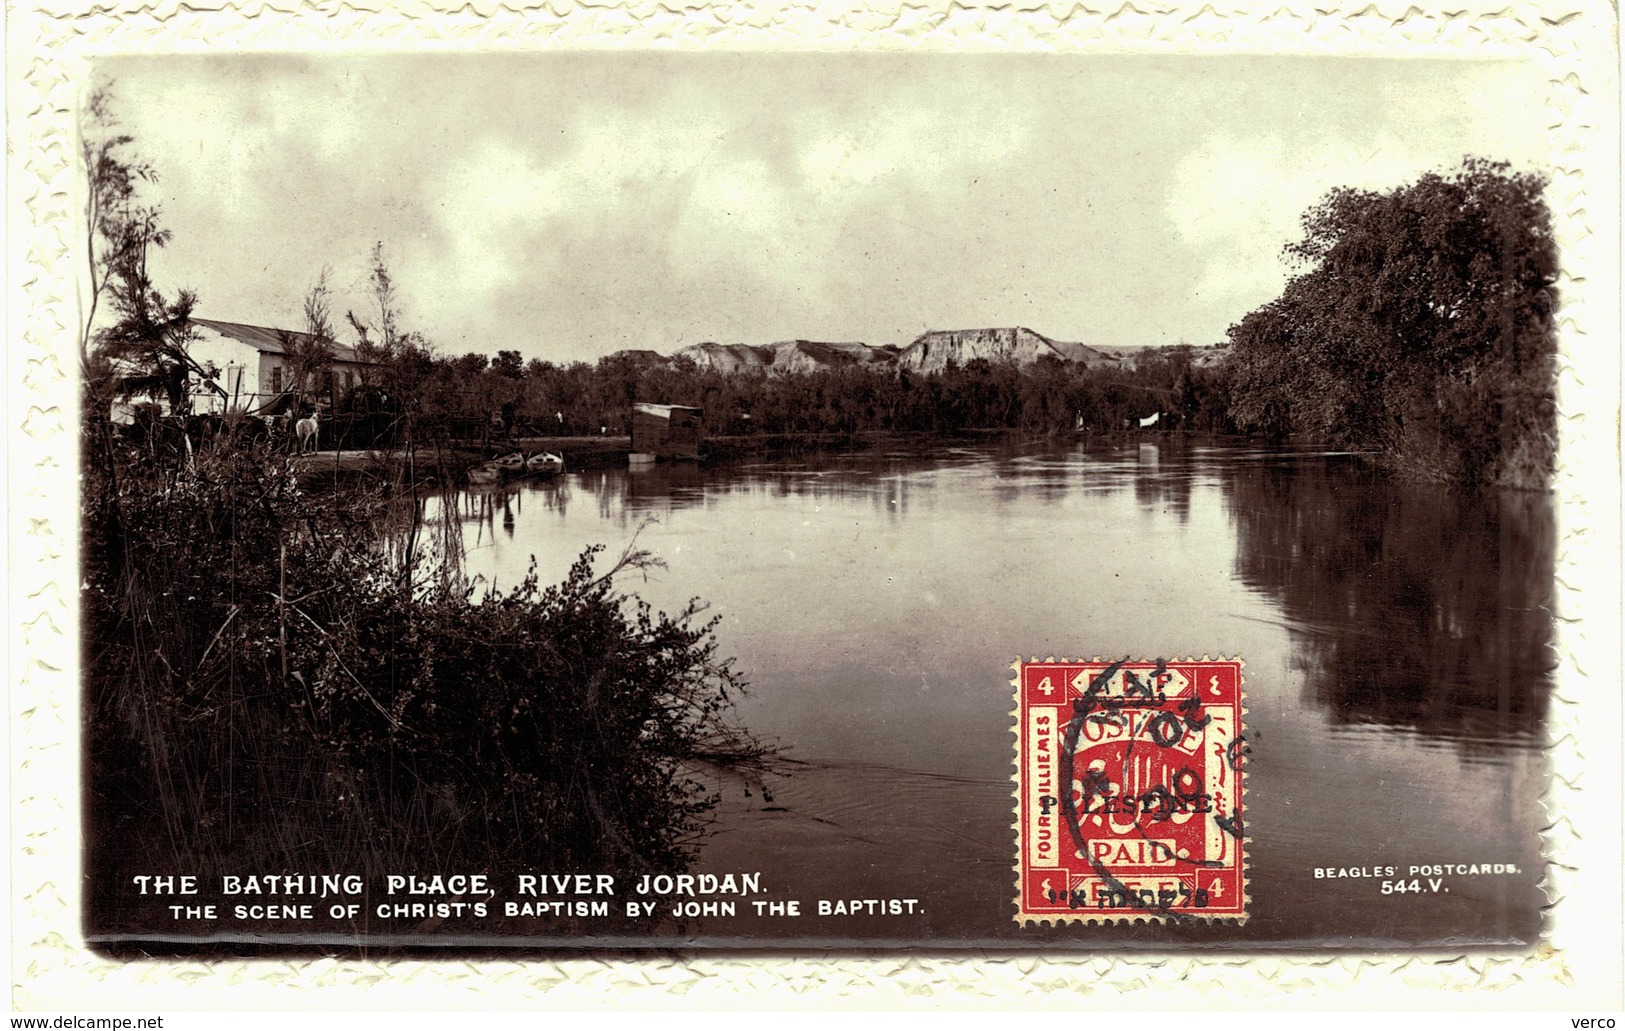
<point x="901" y="501"/>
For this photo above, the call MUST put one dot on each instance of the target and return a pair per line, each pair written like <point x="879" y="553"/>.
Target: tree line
<point x="428" y="395"/>
<point x="576" y="398"/>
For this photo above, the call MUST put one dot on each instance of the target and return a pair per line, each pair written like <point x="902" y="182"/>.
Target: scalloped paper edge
<point x="1576" y="41"/>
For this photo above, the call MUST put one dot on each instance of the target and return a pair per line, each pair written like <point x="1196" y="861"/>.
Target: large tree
<point x="310" y="354"/>
<point x="143" y="348"/>
<point x="1421" y="326"/>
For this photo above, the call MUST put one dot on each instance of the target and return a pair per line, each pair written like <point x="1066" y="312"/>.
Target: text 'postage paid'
<point x="1129" y="790"/>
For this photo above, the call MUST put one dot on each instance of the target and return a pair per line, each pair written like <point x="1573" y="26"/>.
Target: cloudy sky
<point x="570" y="205"/>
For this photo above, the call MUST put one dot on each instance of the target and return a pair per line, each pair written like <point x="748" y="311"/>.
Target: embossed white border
<point x="48" y="45"/>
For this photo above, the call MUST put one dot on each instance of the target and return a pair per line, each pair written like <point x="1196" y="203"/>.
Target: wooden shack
<point x="666" y="431"/>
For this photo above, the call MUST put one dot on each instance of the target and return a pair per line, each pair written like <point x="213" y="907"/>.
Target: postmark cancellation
<point x="1129" y="790"/>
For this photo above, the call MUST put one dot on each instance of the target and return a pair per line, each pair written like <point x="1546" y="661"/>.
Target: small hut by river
<point x="666" y="431"/>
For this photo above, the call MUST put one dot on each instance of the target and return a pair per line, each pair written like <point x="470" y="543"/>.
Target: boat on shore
<point x="544" y="463"/>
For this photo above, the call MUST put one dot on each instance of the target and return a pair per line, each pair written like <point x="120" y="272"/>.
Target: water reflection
<point x="1404" y="605"/>
<point x="1407" y="606"/>
<point x="1397" y="640"/>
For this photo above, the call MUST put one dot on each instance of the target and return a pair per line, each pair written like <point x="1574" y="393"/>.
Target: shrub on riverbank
<point x="273" y="683"/>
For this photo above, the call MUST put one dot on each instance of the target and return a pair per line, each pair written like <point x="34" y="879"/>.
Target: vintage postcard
<point x="557" y="498"/>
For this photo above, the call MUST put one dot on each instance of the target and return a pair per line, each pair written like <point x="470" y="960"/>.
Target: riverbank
<point x="451" y="463"/>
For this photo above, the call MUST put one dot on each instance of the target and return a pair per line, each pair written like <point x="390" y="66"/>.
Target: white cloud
<point x="741" y="199"/>
<point x="588" y="204"/>
<point x="200" y="159"/>
<point x="931" y="147"/>
<point x="839" y="158"/>
<point x="508" y="211"/>
<point x="1238" y="203"/>
<point x="1236" y="199"/>
<point x="486" y="206"/>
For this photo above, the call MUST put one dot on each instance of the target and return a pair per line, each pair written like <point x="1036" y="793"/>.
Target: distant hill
<point x="785" y="356"/>
<point x="728" y="357"/>
<point x="929" y="352"/>
<point x="1207" y="357"/>
<point x="806" y="355"/>
<point x="932" y="351"/>
<point x="638" y="356"/>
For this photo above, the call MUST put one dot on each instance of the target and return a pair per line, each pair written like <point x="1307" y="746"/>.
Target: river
<point x="1396" y="640"/>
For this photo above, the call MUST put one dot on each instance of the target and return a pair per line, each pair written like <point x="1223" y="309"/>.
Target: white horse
<point x="306" y="430"/>
<point x="1150" y="420"/>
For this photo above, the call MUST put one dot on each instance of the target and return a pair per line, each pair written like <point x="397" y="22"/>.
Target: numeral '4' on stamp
<point x="1129" y="791"/>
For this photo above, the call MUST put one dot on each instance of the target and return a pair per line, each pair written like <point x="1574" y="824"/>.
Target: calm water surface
<point x="1396" y="641"/>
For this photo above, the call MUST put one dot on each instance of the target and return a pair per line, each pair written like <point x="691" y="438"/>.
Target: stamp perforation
<point x="1163" y="910"/>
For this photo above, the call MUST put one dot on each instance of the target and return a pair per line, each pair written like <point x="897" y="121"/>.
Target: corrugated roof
<point x="662" y="410"/>
<point x="269" y="341"/>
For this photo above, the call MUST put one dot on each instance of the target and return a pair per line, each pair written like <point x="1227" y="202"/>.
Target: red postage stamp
<point x="1129" y="780"/>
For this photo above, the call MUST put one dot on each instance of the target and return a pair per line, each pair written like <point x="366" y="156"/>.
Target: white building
<point x="256" y="370"/>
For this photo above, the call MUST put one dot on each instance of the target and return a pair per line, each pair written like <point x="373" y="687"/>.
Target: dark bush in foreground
<point x="271" y="686"/>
